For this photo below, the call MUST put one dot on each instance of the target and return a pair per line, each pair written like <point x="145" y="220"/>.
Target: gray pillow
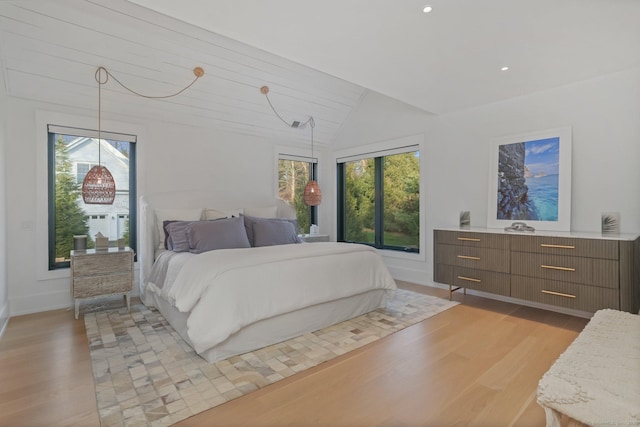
<point x="176" y="235"/>
<point x="249" y="220"/>
<point x="226" y="233"/>
<point x="271" y="233"/>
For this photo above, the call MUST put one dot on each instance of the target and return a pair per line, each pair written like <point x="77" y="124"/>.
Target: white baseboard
<point x="29" y="304"/>
<point x="4" y="318"/>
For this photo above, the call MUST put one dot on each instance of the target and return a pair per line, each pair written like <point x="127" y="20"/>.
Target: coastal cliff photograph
<point x="528" y="180"/>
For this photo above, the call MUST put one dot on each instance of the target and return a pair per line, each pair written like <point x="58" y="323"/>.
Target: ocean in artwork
<point x="543" y="192"/>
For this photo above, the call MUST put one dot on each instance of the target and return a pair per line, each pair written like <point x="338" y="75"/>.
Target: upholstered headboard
<point x="190" y="200"/>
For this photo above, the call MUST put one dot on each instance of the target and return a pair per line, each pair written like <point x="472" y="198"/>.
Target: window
<point x="81" y="171"/>
<point x="71" y="153"/>
<point x="293" y="175"/>
<point x="379" y="200"/>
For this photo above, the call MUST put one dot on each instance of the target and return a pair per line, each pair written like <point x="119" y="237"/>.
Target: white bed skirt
<point x="278" y="328"/>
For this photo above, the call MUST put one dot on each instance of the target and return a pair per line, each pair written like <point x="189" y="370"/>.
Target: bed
<point x="237" y="298"/>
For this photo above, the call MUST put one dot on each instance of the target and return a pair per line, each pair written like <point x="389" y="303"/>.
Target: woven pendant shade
<point x="99" y="187"/>
<point x="312" y="194"/>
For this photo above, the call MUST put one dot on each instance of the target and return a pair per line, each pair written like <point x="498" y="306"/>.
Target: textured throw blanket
<point x="596" y="381"/>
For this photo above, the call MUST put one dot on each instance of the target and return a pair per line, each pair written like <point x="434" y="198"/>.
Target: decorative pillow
<point x="163" y="215"/>
<point x="264" y="212"/>
<point x="226" y="233"/>
<point x="210" y="213"/>
<point x="271" y="233"/>
<point x="177" y="239"/>
<point x="249" y="220"/>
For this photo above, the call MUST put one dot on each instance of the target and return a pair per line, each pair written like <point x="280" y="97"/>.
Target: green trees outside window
<point x="70" y="218"/>
<point x="293" y="176"/>
<point x="380" y="201"/>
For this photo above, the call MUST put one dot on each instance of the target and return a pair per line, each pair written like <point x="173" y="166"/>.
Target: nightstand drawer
<point x="588" y="271"/>
<point x="91" y="286"/>
<point x="97" y="264"/>
<point x="476" y="240"/>
<point x="561" y="294"/>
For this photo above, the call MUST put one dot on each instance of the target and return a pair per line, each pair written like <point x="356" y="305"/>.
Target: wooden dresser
<point x="578" y="271"/>
<point x="99" y="273"/>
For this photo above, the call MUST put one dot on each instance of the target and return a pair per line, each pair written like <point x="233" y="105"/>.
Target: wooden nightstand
<point x="101" y="272"/>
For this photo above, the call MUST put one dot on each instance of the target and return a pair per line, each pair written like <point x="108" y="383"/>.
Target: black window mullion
<point x="313" y="212"/>
<point x="379" y="202"/>
<point x="341" y="195"/>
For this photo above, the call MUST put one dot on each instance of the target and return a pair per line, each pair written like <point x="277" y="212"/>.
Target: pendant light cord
<point x="98" y="76"/>
<point x="309" y="121"/>
<point x="198" y="71"/>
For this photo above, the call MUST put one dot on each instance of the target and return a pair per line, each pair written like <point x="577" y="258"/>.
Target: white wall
<point x="4" y="288"/>
<point x="604" y="114"/>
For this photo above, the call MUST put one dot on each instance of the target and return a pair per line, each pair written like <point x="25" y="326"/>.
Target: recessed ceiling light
<point x="427" y="9"/>
<point x="504" y="69"/>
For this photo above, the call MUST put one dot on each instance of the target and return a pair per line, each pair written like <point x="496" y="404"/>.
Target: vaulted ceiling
<point x="319" y="58"/>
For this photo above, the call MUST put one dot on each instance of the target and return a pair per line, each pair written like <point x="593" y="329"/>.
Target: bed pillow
<point x="226" y="233"/>
<point x="249" y="220"/>
<point x="176" y="235"/>
<point x="163" y="215"/>
<point x="263" y="212"/>
<point x="271" y="233"/>
<point x="210" y="213"/>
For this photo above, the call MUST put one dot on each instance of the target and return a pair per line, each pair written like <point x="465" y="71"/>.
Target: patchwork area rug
<point x="145" y="374"/>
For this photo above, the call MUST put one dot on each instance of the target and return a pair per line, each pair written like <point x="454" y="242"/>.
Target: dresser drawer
<point x="91" y="286"/>
<point x="482" y="280"/>
<point x="478" y="240"/>
<point x="589" y="271"/>
<point x="562" y="294"/>
<point x="591" y="248"/>
<point x="480" y="258"/>
<point x="93" y="265"/>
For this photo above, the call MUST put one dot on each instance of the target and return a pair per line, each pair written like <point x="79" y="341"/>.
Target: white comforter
<point x="226" y="290"/>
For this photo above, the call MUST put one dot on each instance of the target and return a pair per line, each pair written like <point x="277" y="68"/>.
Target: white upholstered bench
<point x="596" y="381"/>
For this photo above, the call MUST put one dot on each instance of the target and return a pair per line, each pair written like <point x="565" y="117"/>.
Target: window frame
<point x="52" y="131"/>
<point x="289" y="154"/>
<point x="380" y="149"/>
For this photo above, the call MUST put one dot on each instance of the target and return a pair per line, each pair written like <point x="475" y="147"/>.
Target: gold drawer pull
<point x="560" y="294"/>
<point x="545" y="245"/>
<point x="553" y="267"/>
<point x="469" y="279"/>
<point x="475" y="258"/>
<point x="468" y="239"/>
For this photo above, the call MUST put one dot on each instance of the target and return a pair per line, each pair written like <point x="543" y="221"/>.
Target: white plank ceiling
<point x="319" y="58"/>
<point x="51" y="49"/>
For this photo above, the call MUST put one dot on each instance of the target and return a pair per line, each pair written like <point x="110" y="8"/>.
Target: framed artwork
<point x="531" y="180"/>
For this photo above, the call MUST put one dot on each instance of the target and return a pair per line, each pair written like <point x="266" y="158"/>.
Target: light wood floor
<point x="475" y="364"/>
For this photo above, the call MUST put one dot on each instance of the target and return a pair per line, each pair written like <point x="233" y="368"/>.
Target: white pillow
<point x="210" y="213"/>
<point x="174" y="215"/>
<point x="263" y="212"/>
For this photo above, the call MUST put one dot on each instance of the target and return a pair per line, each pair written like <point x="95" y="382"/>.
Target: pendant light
<point x="99" y="187"/>
<point x="312" y="195"/>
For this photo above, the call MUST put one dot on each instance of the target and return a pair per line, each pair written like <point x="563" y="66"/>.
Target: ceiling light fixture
<point x="312" y="195"/>
<point x="427" y="9"/>
<point x="504" y="69"/>
<point x="99" y="187"/>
